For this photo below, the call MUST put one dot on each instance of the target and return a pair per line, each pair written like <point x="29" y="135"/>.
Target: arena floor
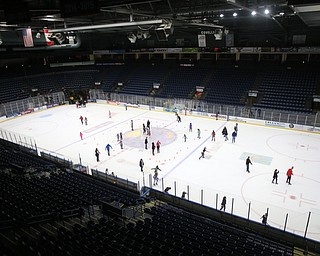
<point x="222" y="172"/>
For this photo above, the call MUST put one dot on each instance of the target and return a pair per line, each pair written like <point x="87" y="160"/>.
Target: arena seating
<point x="60" y="212"/>
<point x="229" y="85"/>
<point x="288" y="90"/>
<point x="140" y="79"/>
<point x="279" y="88"/>
<point x="181" y="82"/>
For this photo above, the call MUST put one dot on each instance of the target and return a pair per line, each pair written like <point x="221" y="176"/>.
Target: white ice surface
<point x="221" y="172"/>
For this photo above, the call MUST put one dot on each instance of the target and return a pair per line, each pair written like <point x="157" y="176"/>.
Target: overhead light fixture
<point x="164" y="31"/>
<point x="145" y="35"/>
<point x="253" y="13"/>
<point x="221" y="15"/>
<point x="281" y="13"/>
<point x="132" y="38"/>
<point x="235" y="14"/>
<point x="266" y="11"/>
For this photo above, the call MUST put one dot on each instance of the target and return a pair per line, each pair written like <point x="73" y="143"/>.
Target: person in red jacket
<point x="289" y="174"/>
<point x="213" y="136"/>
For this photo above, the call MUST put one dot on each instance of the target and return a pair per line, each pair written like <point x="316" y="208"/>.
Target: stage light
<point x="132" y="38"/>
<point x="221" y="15"/>
<point x="235" y="14"/>
<point x="266" y="11"/>
<point x="253" y="13"/>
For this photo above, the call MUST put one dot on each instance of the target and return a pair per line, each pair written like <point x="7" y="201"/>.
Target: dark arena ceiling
<point x="181" y="18"/>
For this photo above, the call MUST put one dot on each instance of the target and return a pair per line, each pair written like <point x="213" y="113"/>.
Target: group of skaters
<point x="83" y="120"/>
<point x="146" y="129"/>
<point x="155" y="169"/>
<point x="289" y="175"/>
<point x="234" y="133"/>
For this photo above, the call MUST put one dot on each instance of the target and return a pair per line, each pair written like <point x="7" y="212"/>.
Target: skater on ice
<point x="289" y="174"/>
<point x="141" y="164"/>
<point x="234" y="135"/>
<point x="108" y="148"/>
<point x="199" y="133"/>
<point x="248" y="162"/>
<point x="202" y="153"/>
<point x="153" y="147"/>
<point x="275" y="176"/>
<point x="223" y="203"/>
<point x="225" y="133"/>
<point x="158" y="146"/>
<point x="146" y="143"/>
<point x="156" y="169"/>
<point x="213" y="136"/>
<point x="97" y="153"/>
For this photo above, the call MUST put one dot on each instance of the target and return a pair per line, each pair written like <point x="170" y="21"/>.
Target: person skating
<point x="86" y="121"/>
<point x="156" y="169"/>
<point x="234" y="135"/>
<point x="199" y="133"/>
<point x="236" y="128"/>
<point x="275" y="176"/>
<point x="202" y="153"/>
<point x="185" y="137"/>
<point x="131" y="125"/>
<point x="153" y="147"/>
<point x="97" y="153"/>
<point x="121" y="144"/>
<point x="146" y="143"/>
<point x="155" y="178"/>
<point x="158" y="146"/>
<point x="225" y="133"/>
<point x="223" y="203"/>
<point x="108" y="148"/>
<point x="81" y="119"/>
<point x="248" y="162"/>
<point x="289" y="174"/>
<point x="190" y="127"/>
<point x="81" y="135"/>
<point x="213" y="136"/>
<point x="264" y="218"/>
<point x="144" y="128"/>
<point x="141" y="164"/>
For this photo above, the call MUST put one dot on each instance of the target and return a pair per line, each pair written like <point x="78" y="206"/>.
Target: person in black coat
<point x="223" y="203"/>
<point x="248" y="162"/>
<point x="275" y="176"/>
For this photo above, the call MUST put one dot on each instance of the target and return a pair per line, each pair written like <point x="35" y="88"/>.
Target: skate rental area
<point x="191" y="163"/>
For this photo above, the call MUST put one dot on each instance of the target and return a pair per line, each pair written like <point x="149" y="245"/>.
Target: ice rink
<point x="222" y="172"/>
